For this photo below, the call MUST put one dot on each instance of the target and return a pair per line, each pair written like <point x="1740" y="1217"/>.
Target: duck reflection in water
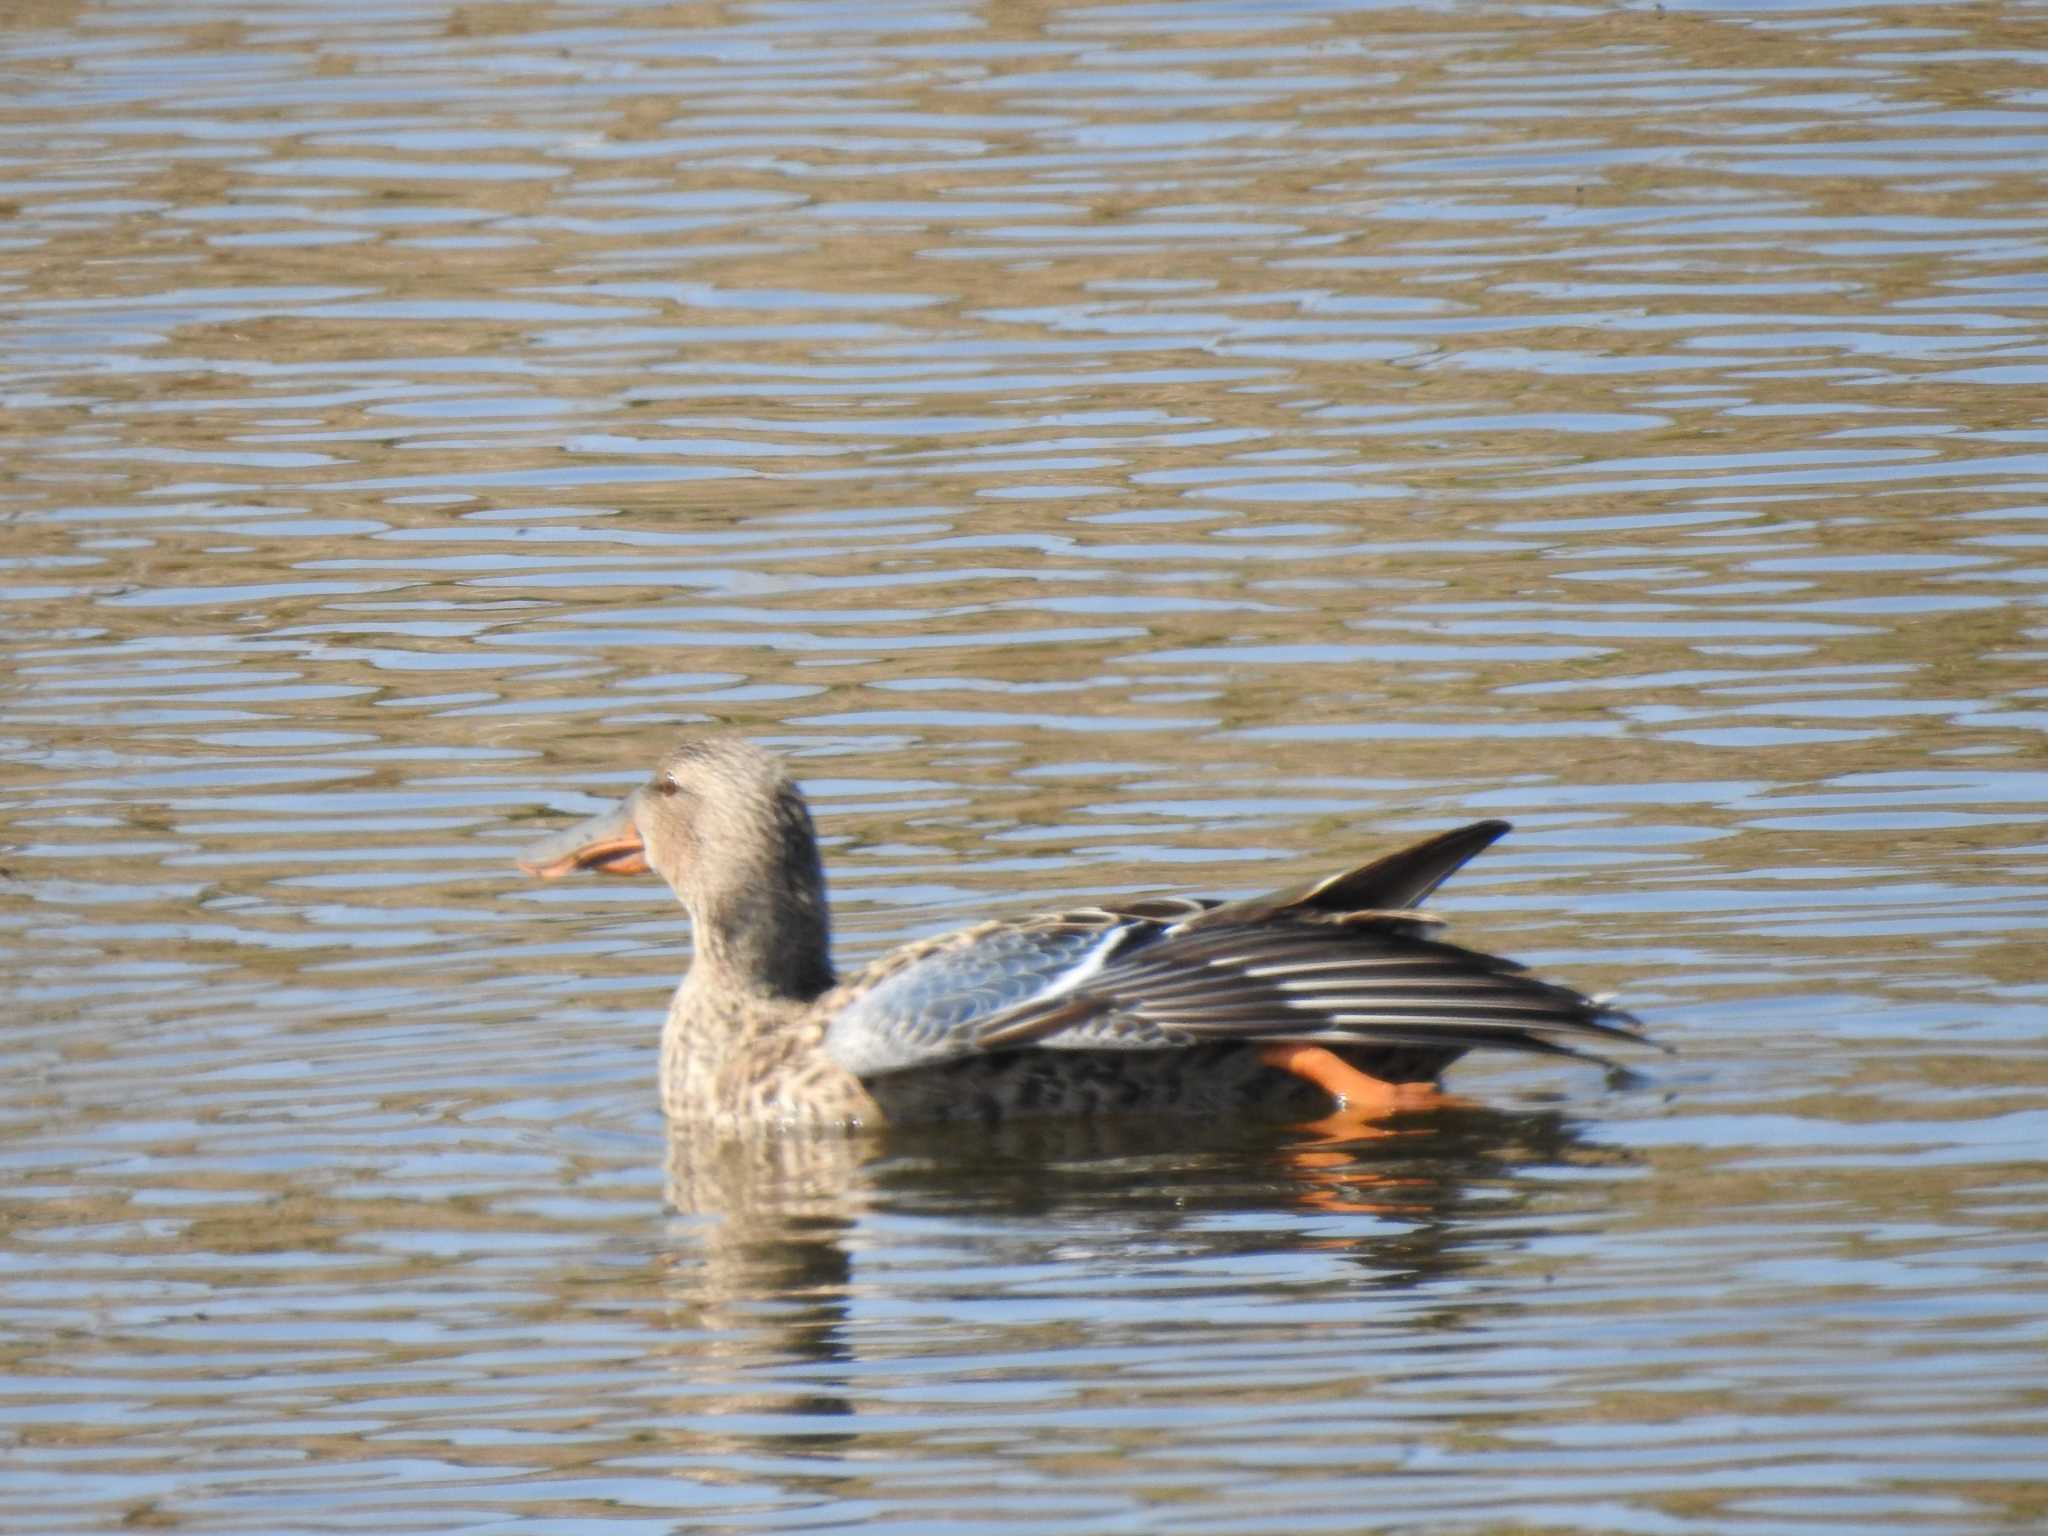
<point x="1326" y="999"/>
<point x="790" y="1242"/>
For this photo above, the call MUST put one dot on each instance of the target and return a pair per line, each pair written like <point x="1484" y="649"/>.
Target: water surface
<point x="1109" y="448"/>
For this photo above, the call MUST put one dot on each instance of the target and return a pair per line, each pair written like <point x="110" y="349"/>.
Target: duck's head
<point x="721" y="821"/>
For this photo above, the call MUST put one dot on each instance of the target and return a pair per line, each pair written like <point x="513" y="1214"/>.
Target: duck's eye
<point x="667" y="785"/>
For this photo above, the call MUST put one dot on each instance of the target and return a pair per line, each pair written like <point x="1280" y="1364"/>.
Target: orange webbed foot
<point x="1359" y="1095"/>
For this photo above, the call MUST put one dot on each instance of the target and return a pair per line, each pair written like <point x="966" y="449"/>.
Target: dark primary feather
<point x="1396" y="882"/>
<point x="1339" y="961"/>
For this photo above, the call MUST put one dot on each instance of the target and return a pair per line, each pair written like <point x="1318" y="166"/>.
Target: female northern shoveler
<point x="1276" y="1005"/>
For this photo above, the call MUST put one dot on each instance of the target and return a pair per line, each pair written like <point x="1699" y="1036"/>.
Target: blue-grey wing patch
<point x="929" y="1010"/>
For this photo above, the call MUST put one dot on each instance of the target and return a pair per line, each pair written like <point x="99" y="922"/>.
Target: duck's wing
<point x="927" y="1002"/>
<point x="1396" y="882"/>
<point x="1341" y="961"/>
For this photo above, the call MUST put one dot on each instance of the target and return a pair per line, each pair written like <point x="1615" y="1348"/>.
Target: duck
<point x="1330" y="996"/>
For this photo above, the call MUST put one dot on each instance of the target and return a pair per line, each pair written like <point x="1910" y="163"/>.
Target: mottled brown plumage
<point x="1267" y="1006"/>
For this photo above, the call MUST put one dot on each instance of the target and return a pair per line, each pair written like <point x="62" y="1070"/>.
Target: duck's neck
<point x="762" y="930"/>
<point x="763" y="944"/>
<point x="762" y="957"/>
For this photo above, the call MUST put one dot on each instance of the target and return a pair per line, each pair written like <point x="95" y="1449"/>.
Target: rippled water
<point x="1110" y="447"/>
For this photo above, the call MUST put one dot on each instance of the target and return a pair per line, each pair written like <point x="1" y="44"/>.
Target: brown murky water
<point x="1110" y="447"/>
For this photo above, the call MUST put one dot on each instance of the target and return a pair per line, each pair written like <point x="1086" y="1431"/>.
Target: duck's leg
<point x="1359" y="1093"/>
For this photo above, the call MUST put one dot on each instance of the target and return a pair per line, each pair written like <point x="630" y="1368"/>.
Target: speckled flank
<point x="1210" y="1080"/>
